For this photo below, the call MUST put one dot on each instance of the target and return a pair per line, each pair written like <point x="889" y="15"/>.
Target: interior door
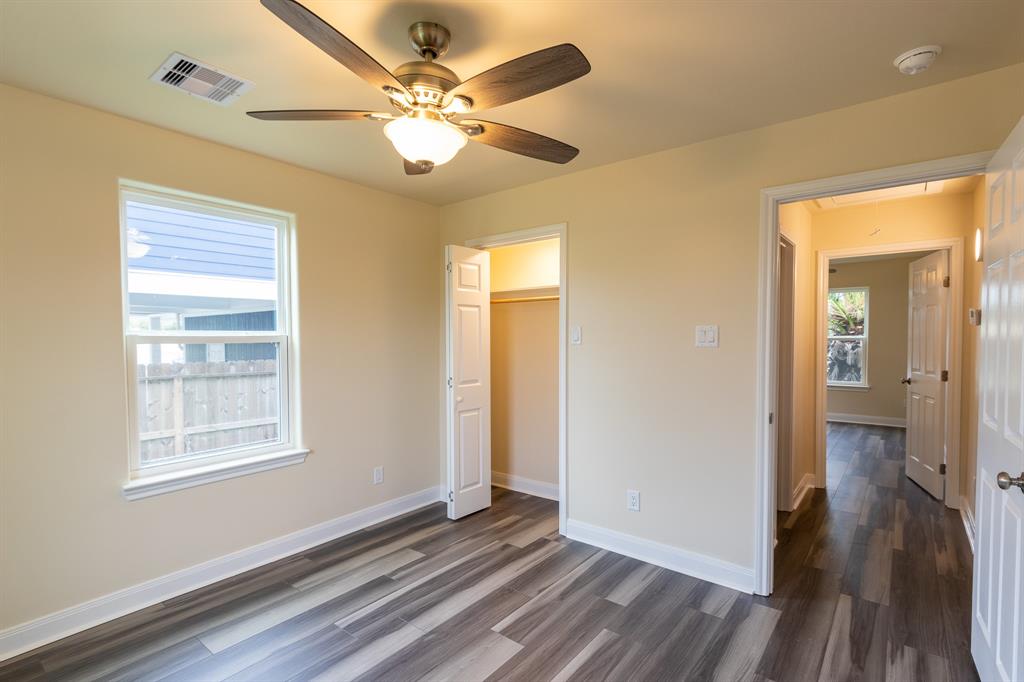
<point x="468" y="350"/>
<point x="997" y="630"/>
<point x="926" y="364"/>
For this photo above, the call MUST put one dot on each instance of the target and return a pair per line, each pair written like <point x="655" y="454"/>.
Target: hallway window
<point x="847" y="351"/>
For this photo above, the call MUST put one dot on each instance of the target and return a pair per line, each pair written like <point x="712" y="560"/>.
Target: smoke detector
<point x="917" y="60"/>
<point x="200" y="80"/>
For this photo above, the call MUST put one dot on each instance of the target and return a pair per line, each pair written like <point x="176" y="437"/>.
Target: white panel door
<point x="997" y="625"/>
<point x="468" y="350"/>
<point x="926" y="361"/>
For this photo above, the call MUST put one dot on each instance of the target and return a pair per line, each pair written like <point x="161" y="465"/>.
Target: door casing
<point x="954" y="246"/>
<point x="560" y="230"/>
<point x="767" y="361"/>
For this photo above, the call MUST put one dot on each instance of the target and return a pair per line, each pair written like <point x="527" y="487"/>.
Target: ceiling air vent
<point x="200" y="80"/>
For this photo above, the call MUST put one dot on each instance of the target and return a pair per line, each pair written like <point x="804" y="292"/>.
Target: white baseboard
<point x="898" y="422"/>
<point x="32" y="634"/>
<point x="521" y="484"/>
<point x="676" y="559"/>
<point x="806" y="484"/>
<point x="968" y="517"/>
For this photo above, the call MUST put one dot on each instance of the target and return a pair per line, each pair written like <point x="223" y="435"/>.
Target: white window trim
<point x="185" y="473"/>
<point x="863" y="384"/>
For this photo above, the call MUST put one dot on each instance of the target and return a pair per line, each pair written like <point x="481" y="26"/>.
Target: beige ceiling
<point x="664" y="73"/>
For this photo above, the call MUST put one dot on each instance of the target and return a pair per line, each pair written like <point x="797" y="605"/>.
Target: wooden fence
<point x="195" y="407"/>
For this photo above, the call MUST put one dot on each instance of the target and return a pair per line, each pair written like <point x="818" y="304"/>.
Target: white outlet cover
<point x="706" y="336"/>
<point x="378" y="475"/>
<point x="633" y="500"/>
<point x="576" y="335"/>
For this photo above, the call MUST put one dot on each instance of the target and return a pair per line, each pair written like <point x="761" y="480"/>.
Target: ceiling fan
<point x="429" y="97"/>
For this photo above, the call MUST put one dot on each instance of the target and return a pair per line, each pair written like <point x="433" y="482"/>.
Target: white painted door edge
<point x="560" y="230"/>
<point x="771" y="197"/>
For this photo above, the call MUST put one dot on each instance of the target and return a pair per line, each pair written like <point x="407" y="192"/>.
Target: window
<point x="847" y="351"/>
<point x="207" y="332"/>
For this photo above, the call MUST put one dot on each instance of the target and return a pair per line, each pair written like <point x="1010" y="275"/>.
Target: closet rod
<point x="524" y="299"/>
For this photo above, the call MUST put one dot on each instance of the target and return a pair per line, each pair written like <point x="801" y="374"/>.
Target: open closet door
<point x="997" y="622"/>
<point x="468" y="352"/>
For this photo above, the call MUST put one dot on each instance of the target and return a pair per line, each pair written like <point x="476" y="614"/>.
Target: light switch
<point x="707" y="336"/>
<point x="576" y="335"/>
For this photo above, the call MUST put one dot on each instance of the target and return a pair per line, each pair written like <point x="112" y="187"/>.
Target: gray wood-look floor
<point x="872" y="582"/>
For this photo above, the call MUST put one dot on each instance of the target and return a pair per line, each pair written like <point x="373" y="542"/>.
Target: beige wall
<point x="795" y="224"/>
<point x="369" y="343"/>
<point x="663" y="242"/>
<point x="531" y="265"/>
<point x="524" y="389"/>
<point x="887" y="338"/>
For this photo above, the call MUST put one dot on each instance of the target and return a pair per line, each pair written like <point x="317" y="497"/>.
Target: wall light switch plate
<point x="707" y="336"/>
<point x="378" y="475"/>
<point x="576" y="335"/>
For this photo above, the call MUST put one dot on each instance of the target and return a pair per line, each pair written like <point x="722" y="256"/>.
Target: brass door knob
<point x="1005" y="480"/>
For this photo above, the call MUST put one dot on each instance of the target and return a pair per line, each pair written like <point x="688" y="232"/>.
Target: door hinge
<point x="771" y="418"/>
<point x="448" y="267"/>
<point x="945" y="375"/>
<point x="942" y="469"/>
<point x="945" y="281"/>
<point x="450" y="382"/>
<point x="451" y="496"/>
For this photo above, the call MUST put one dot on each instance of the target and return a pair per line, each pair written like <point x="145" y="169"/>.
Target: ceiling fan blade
<point x="318" y="115"/>
<point x="523" y="77"/>
<point x="417" y="167"/>
<point x="521" y="141"/>
<point x="327" y="38"/>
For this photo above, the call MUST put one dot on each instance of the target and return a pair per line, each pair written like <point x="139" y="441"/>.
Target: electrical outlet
<point x="633" y="500"/>
<point x="378" y="475"/>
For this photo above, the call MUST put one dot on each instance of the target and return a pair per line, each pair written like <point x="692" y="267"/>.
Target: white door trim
<point x="954" y="333"/>
<point x="771" y="197"/>
<point x="560" y="230"/>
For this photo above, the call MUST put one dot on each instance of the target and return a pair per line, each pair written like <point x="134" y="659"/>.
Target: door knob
<point x="905" y="381"/>
<point x="1005" y="480"/>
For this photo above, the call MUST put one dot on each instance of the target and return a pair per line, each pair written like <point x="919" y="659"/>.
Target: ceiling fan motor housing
<point x="427" y="81"/>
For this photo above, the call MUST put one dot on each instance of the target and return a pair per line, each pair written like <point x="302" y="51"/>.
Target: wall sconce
<point x="977" y="245"/>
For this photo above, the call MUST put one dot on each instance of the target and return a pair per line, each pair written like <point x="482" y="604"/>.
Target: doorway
<point x="809" y="359"/>
<point x="525" y="357"/>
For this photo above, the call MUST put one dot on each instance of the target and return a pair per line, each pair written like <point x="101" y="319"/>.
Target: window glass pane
<point x="846" y="313"/>
<point x="845" y="361"/>
<point x="189" y="270"/>
<point x="201" y="399"/>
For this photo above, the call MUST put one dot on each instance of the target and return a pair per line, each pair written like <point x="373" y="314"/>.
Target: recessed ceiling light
<point x="917" y="60"/>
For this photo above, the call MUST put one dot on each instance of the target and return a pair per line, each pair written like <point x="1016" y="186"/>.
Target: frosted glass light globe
<point x="424" y="139"/>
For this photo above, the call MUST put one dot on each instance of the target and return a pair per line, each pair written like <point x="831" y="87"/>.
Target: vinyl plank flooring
<point x="872" y="582"/>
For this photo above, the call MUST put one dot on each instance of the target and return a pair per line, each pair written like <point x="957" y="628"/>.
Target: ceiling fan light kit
<point x="423" y="137"/>
<point x="429" y="96"/>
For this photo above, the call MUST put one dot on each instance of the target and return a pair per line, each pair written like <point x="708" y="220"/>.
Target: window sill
<point x="844" y="387"/>
<point x="158" y="484"/>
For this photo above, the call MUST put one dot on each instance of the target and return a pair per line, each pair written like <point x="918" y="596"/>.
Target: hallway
<point x="872" y="575"/>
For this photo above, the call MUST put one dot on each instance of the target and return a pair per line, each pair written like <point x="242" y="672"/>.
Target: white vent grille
<point x="200" y="80"/>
